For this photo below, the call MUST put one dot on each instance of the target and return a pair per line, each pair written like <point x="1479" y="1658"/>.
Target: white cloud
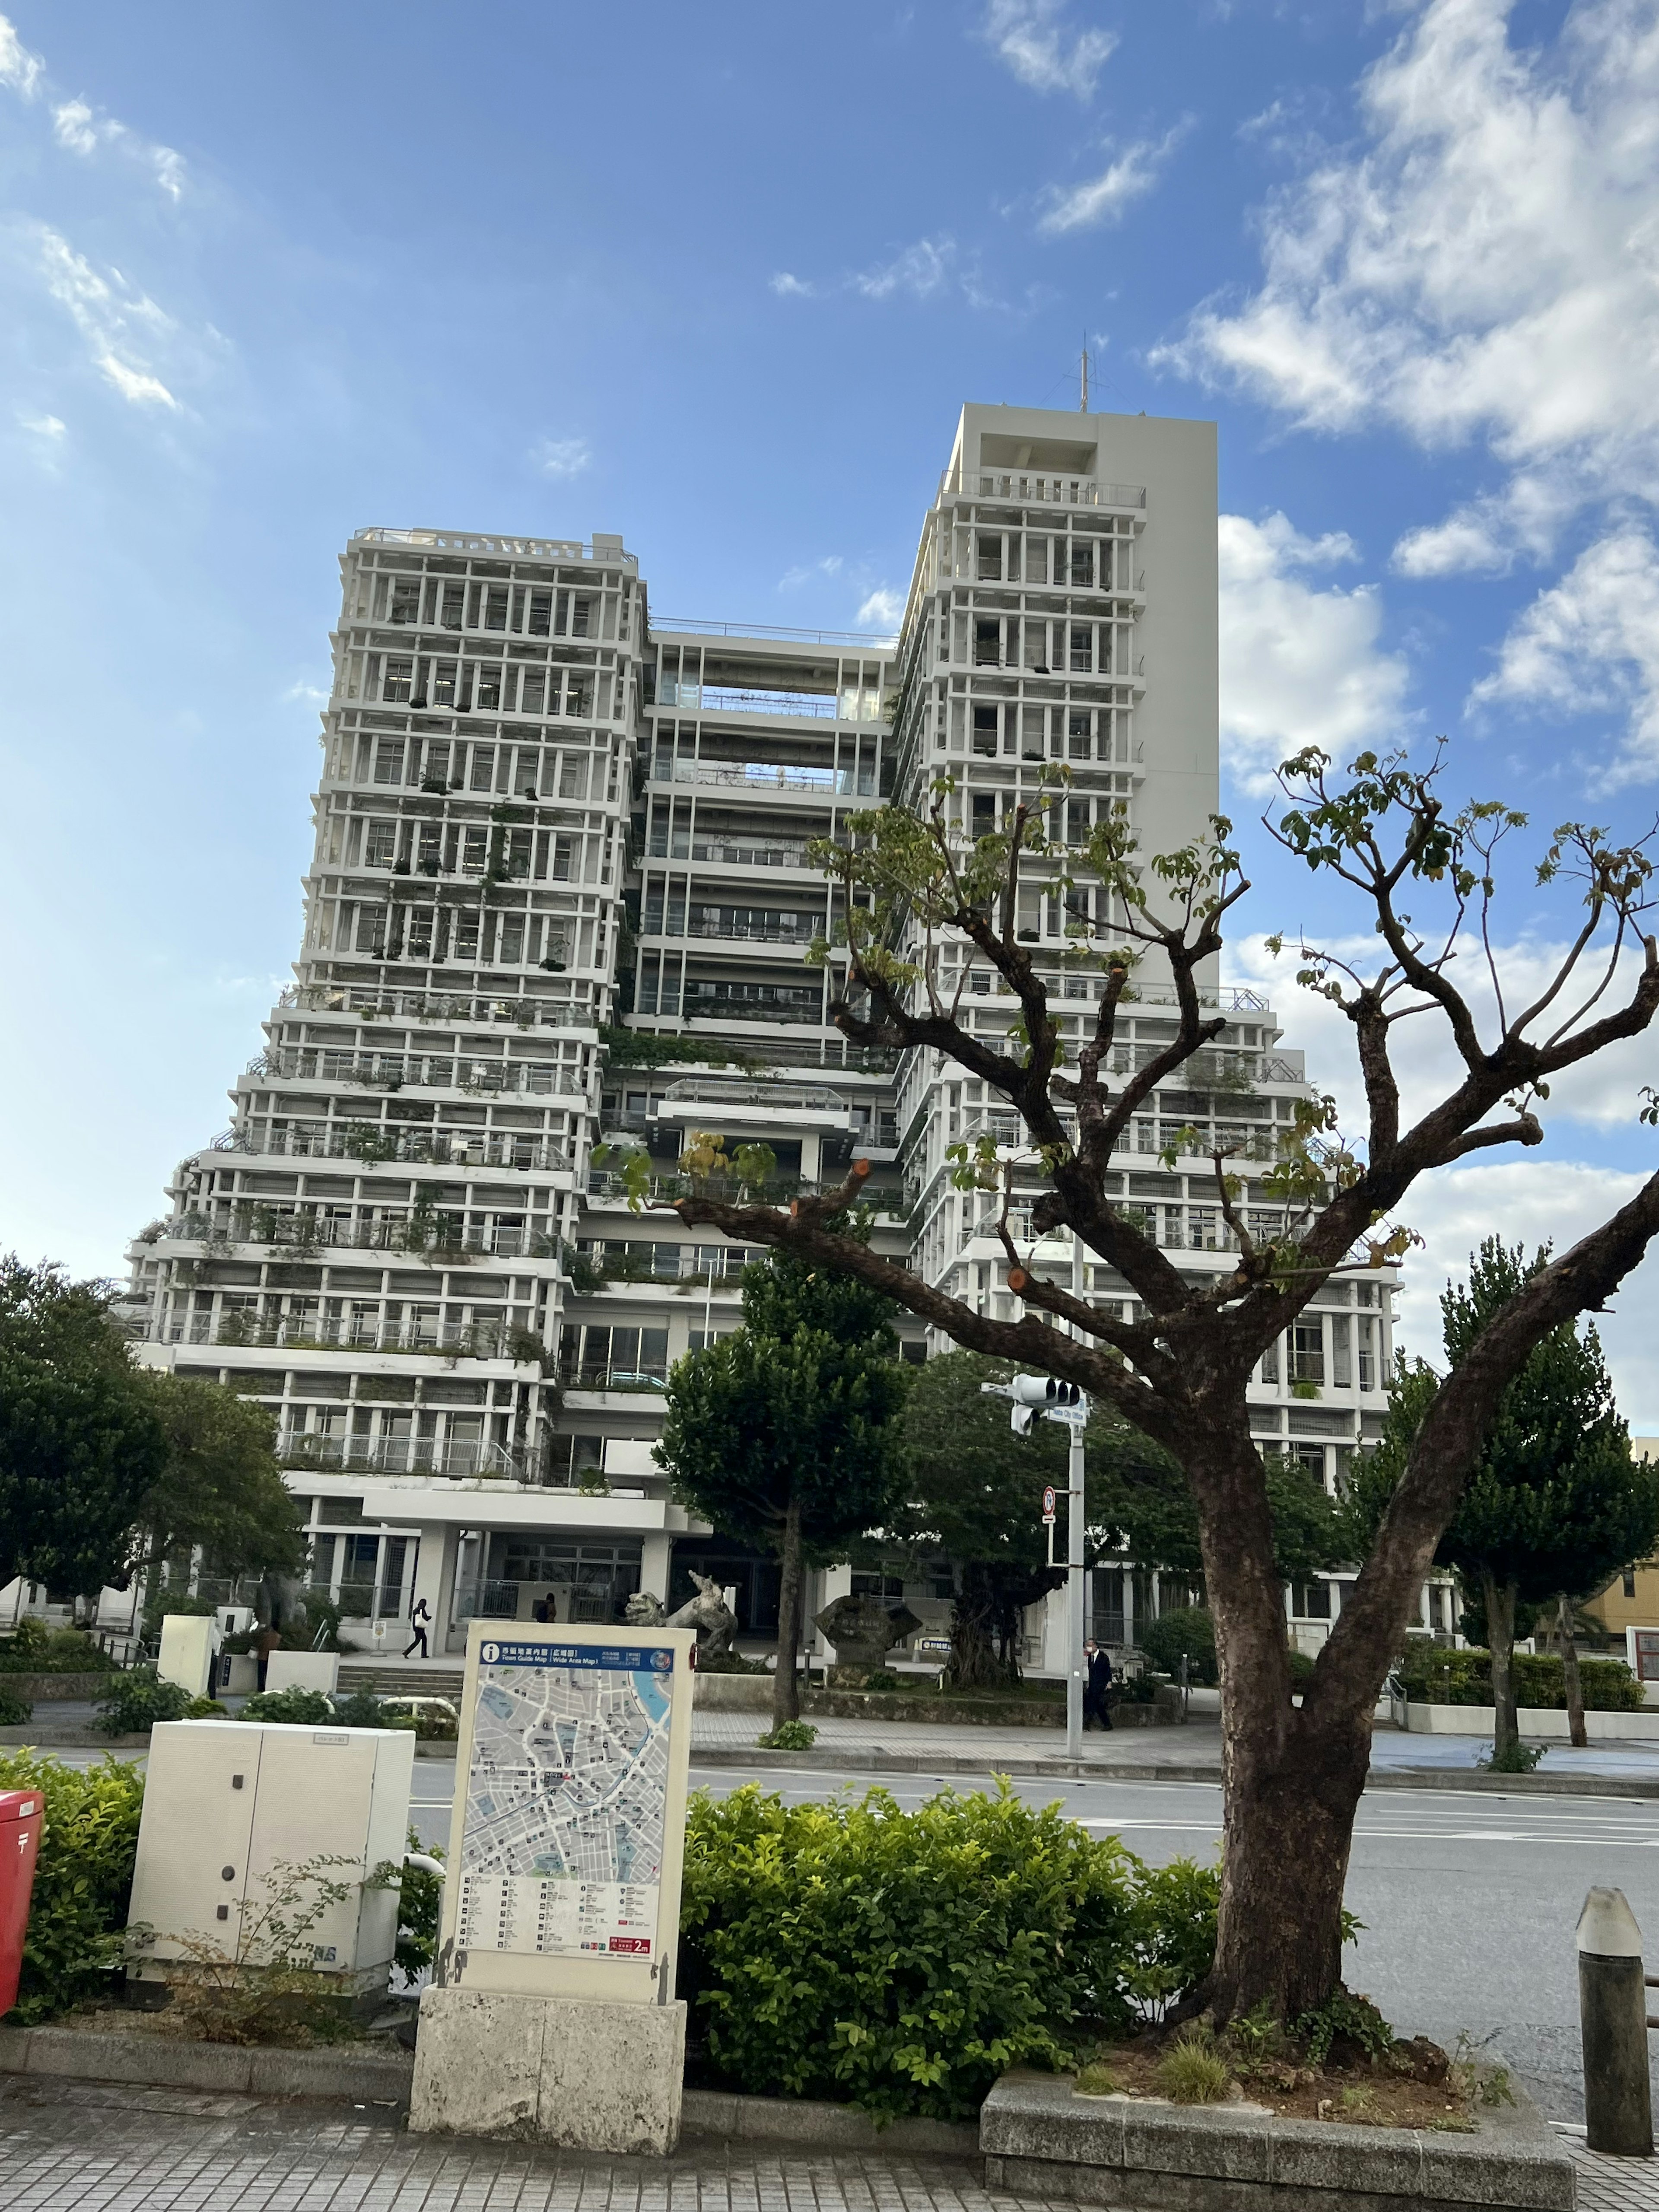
<point x="1299" y="664"/>
<point x="52" y="427"/>
<point x="920" y="270"/>
<point x="1589" y="643"/>
<point x="1042" y="50"/>
<point x="1531" y="1197"/>
<point x="1484" y="266"/>
<point x="792" y="579"/>
<point x="105" y="310"/>
<point x="1103" y="199"/>
<point x="883" y="610"/>
<point x="562" y="457"/>
<point x="303" y="690"/>
<point x="19" y="68"/>
<point x="79" y="130"/>
<point x="791" y="288"/>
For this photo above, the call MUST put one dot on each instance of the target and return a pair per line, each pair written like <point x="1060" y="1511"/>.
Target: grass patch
<point x="1193" y="2071"/>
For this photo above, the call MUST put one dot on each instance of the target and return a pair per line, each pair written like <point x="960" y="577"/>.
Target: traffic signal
<point x="1032" y="1393"/>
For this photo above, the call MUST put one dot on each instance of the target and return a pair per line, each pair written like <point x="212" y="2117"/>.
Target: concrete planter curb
<point x="59" y="1737"/>
<point x="1040" y="2139"/>
<point x="162" y="2062"/>
<point x="1546" y="1723"/>
<point x="729" y="2118"/>
<point x="752" y="1693"/>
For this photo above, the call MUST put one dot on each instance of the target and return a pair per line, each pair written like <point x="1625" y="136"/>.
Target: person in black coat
<point x="1095" y="1689"/>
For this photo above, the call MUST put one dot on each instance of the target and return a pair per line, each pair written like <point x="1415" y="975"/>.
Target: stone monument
<point x="863" y="1633"/>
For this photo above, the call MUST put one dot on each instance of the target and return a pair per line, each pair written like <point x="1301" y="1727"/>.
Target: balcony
<point x="764" y="778"/>
<point x="390" y="1070"/>
<point x="851" y="704"/>
<point x="735" y="851"/>
<point x="436" y="1238"/>
<point x="498" y="548"/>
<point x="377" y="1005"/>
<point x="1033" y="488"/>
<point x="465" y="1341"/>
<point x="601" y="1375"/>
<point x="370" y="1144"/>
<point x="460" y="1457"/>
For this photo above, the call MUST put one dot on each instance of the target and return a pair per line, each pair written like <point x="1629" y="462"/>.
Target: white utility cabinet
<point x="303" y="1670"/>
<point x="190" y="1644"/>
<point x="227" y="1803"/>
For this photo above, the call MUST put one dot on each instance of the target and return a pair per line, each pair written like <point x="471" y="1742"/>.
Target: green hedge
<point x="135" y="1701"/>
<point x="78" y="1913"/>
<point x="34" y="1649"/>
<point x="901" y="1961"/>
<point x="1431" y="1675"/>
<point x="1185" y="1631"/>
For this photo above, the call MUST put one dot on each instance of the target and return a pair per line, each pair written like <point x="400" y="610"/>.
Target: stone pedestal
<point x="586" y="2076"/>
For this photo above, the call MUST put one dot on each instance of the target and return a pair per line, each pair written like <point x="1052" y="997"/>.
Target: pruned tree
<point x="220" y="1492"/>
<point x="785" y="1432"/>
<point x="1423" y="876"/>
<point x="1554" y="1505"/>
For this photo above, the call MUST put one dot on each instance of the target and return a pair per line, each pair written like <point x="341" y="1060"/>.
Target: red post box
<point x="20" y="1842"/>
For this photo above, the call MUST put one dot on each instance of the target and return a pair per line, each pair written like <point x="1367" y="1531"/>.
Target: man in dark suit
<point x="1099" y="1683"/>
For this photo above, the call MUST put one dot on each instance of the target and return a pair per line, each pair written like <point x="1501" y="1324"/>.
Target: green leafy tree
<point x="81" y="1438"/>
<point x="783" y="1433"/>
<point x="1555" y="1505"/>
<point x="975" y="1493"/>
<point x="221" y="1490"/>
<point x="918" y="899"/>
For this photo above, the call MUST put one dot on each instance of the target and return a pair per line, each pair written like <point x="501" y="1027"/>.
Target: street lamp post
<point x="1064" y="1403"/>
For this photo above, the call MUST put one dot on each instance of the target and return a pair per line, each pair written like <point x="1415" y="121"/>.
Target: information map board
<point x="569" y="1825"/>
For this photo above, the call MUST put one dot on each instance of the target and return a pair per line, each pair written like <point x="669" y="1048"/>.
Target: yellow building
<point x="1631" y="1601"/>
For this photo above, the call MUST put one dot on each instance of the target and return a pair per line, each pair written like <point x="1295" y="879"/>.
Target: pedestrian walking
<point x="418" y="1620"/>
<point x="1095" y="1707"/>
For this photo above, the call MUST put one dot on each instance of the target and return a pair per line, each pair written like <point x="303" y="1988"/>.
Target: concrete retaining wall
<point x="1534" y="1721"/>
<point x="38" y="1688"/>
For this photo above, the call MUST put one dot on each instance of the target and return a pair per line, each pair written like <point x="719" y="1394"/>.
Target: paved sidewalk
<point x="1197" y="1744"/>
<point x="66" y="2146"/>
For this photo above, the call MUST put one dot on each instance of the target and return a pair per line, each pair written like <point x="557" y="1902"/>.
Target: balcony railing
<point x="390" y="1070"/>
<point x="433" y="1237"/>
<point x="700" y="1007"/>
<point x="853" y="704"/>
<point x="459" y="1457"/>
<point x="734" y="852"/>
<point x="764" y="777"/>
<point x="370" y="1143"/>
<point x="465" y="1341"/>
<point x="698" y="1091"/>
<point x="424" y="1006"/>
<point x="508" y="549"/>
<point x="1040" y="489"/>
<point x="601" y="1375"/>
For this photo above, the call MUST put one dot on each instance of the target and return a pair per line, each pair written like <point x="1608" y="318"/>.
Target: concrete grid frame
<point x="559" y="901"/>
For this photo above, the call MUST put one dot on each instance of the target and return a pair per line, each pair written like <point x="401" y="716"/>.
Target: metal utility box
<point x="190" y="1644"/>
<point x="229" y="1804"/>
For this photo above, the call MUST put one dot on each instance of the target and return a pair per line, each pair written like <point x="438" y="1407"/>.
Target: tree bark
<point x="975" y="1624"/>
<point x="785" y="1686"/>
<point x="1578" y="1733"/>
<point x="1500" y="1638"/>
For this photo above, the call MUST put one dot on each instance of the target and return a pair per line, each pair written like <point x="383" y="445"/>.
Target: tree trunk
<point x="1500" y="1638"/>
<point x="785" y="1686"/>
<point x="1576" y="1731"/>
<point x="977" y="1623"/>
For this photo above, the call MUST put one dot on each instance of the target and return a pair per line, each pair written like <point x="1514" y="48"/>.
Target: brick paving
<point x="85" y="2147"/>
<point x="1615" y="2184"/>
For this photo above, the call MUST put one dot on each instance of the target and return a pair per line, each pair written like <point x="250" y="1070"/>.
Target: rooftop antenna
<point x="1083" y="403"/>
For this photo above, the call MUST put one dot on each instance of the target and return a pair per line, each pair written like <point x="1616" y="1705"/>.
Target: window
<point x="405" y="600"/>
<point x="495" y="607"/>
<point x="1630" y="1581"/>
<point x="541" y="614"/>
<point x="913" y="1352"/>
<point x="1341" y="1373"/>
<point x="381" y="848"/>
<point x="1308" y="1351"/>
<point x="580" y="609"/>
<point x="1079" y="733"/>
<point x="573" y="776"/>
<point x="399" y="676"/>
<point x="532" y="696"/>
<point x="1082" y="653"/>
<point x="1083" y="564"/>
<point x="987" y="644"/>
<point x="985" y="813"/>
<point x="1310" y="1601"/>
<point x="388" y="760"/>
<point x="990" y="560"/>
<point x="443" y="682"/>
<point x="454" y="603"/>
<point x="489" y="686"/>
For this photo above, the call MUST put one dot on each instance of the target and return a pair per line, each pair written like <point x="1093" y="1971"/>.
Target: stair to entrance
<point x="394" y="1678"/>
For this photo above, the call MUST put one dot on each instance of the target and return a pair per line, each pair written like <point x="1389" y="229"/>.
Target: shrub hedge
<point x="901" y="1960"/>
<point x="1431" y="1675"/>
<point x="1185" y="1631"/>
<point x="34" y="1649"/>
<point x="135" y="1701"/>
<point x="77" y="1916"/>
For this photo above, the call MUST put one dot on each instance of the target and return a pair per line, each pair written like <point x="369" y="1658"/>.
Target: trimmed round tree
<point x="783" y="1432"/>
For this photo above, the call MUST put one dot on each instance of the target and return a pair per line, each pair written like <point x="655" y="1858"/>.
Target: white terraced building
<point x="559" y="897"/>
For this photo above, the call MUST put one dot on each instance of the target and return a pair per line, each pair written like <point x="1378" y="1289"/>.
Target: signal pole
<point x="1064" y="1403"/>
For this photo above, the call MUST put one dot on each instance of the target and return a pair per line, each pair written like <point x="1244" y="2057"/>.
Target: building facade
<point x="557" y="907"/>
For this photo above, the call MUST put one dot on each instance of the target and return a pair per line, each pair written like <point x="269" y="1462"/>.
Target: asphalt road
<point x="1469" y="1900"/>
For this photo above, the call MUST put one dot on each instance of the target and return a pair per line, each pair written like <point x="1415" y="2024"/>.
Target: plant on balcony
<point x="366" y="1143"/>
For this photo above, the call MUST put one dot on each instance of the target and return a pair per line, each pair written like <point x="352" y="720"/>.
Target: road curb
<point x="1022" y="1767"/>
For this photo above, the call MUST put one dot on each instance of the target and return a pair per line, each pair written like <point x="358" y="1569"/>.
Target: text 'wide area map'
<point x="567" y="1793"/>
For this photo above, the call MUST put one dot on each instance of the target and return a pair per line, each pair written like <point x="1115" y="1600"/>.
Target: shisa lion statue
<point x="863" y="1631"/>
<point x="707" y="1612"/>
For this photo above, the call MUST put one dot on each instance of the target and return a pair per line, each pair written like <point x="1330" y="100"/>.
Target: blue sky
<point x="718" y="278"/>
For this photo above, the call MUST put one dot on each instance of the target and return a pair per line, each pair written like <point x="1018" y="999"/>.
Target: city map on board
<point x="566" y="1800"/>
